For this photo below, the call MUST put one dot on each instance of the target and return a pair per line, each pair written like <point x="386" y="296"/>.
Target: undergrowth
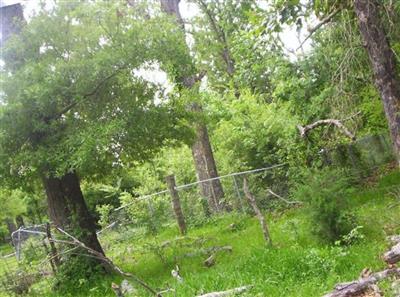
<point x="297" y="265"/>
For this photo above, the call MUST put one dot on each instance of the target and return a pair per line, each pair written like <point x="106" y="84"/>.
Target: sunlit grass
<point x="298" y="264"/>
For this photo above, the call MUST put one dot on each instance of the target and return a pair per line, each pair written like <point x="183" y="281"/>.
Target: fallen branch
<point x="357" y="287"/>
<point x="392" y="256"/>
<point x="394" y="239"/>
<point x="304" y="130"/>
<point x="184" y="241"/>
<point x="283" y="199"/>
<point x="105" y="260"/>
<point x="207" y="251"/>
<point x="210" y="261"/>
<point x="117" y="290"/>
<point x="259" y="215"/>
<point x="228" y="292"/>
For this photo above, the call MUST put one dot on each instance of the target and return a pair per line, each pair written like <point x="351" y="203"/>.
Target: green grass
<point x="297" y="265"/>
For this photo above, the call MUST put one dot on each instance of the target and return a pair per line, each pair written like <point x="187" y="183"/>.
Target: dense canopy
<point x="141" y="136"/>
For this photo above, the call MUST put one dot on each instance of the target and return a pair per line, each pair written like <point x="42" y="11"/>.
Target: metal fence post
<point x="238" y="193"/>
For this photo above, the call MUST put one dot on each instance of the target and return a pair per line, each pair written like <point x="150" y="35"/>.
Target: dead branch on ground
<point x="228" y="292"/>
<point x="392" y="256"/>
<point x="367" y="282"/>
<point x="362" y="285"/>
<point x="75" y="242"/>
<point x="207" y="251"/>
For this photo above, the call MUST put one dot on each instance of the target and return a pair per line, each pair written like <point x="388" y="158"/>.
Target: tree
<point x="73" y="107"/>
<point x="202" y="152"/>
<point x="215" y="32"/>
<point x="383" y="64"/>
<point x="13" y="206"/>
<point x="338" y="66"/>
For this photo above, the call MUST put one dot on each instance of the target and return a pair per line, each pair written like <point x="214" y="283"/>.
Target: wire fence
<point x="32" y="260"/>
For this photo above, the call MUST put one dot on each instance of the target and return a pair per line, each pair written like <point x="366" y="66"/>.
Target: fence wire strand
<point x="32" y="245"/>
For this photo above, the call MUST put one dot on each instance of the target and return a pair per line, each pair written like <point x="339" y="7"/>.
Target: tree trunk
<point x="383" y="64"/>
<point x="11" y="21"/>
<point x="11" y="226"/>
<point x="68" y="210"/>
<point x="201" y="149"/>
<point x="66" y="205"/>
<point x="20" y="221"/>
<point x="221" y="38"/>
<point x="205" y="168"/>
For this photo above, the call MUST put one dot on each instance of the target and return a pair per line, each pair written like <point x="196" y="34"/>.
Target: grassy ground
<point x="297" y="265"/>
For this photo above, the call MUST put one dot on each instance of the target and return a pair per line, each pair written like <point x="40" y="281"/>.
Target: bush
<point x="325" y="193"/>
<point x="77" y="273"/>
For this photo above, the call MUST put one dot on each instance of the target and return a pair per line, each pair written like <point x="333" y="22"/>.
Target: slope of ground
<point x="297" y="265"/>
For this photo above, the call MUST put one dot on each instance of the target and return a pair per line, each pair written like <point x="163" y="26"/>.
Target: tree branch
<point x="304" y="130"/>
<point x="392" y="256"/>
<point x="367" y="281"/>
<point x="104" y="259"/>
<point x="283" y="199"/>
<point x="356" y="287"/>
<point x="227" y="293"/>
<point x="220" y="34"/>
<point x="191" y="80"/>
<point x="325" y="20"/>
<point x="85" y="96"/>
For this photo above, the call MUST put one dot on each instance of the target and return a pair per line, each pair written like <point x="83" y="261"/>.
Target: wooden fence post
<point x="258" y="212"/>
<point x="176" y="203"/>
<point x="53" y="250"/>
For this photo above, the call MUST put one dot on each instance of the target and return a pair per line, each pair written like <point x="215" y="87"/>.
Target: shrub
<point x="325" y="193"/>
<point x="78" y="272"/>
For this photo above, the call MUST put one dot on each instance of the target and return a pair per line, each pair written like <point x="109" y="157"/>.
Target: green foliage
<point x="104" y="212"/>
<point x="13" y="203"/>
<point x="215" y="44"/>
<point x="249" y="133"/>
<point x="148" y="213"/>
<point x="298" y="266"/>
<point x="71" y="101"/>
<point x="78" y="274"/>
<point x="372" y="109"/>
<point x="326" y="193"/>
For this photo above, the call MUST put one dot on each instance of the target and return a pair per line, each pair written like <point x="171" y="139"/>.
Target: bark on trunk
<point x="68" y="210"/>
<point x="171" y="7"/>
<point x="205" y="169"/>
<point x="201" y="149"/>
<point x="20" y="221"/>
<point x="66" y="206"/>
<point x="11" y="226"/>
<point x="11" y="21"/>
<point x="383" y="64"/>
